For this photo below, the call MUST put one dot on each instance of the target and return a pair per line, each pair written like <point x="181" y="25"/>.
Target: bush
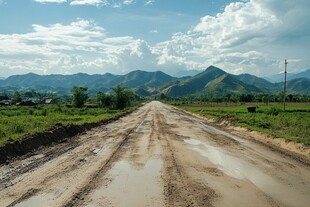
<point x="273" y="111"/>
<point x="80" y="96"/>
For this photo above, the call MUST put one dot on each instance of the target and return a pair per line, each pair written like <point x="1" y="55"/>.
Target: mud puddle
<point x="36" y="201"/>
<point x="144" y="127"/>
<point x="241" y="169"/>
<point x="6" y="171"/>
<point x="131" y="186"/>
<point x="217" y="131"/>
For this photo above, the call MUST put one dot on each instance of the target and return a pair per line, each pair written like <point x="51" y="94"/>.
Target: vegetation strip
<point x="57" y="133"/>
<point x="294" y="125"/>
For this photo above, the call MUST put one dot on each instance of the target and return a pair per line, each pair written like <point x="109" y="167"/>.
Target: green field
<point x="293" y="125"/>
<point x="15" y="122"/>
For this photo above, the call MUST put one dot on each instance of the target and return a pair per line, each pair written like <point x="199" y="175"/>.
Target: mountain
<point x="54" y="81"/>
<point x="304" y="74"/>
<point x="64" y="83"/>
<point x="299" y="85"/>
<point x="289" y="76"/>
<point x="140" y="78"/>
<point x="144" y="83"/>
<point x="260" y="83"/>
<point x="186" y="73"/>
<point x="142" y="92"/>
<point x="193" y="84"/>
<point x="227" y="83"/>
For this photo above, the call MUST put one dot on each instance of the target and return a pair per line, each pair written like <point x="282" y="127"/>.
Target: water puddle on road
<point x="131" y="186"/>
<point x="241" y="169"/>
<point x="143" y="130"/>
<point x="214" y="130"/>
<point x="36" y="201"/>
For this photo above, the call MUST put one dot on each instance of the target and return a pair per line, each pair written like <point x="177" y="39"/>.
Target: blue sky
<point x="118" y="36"/>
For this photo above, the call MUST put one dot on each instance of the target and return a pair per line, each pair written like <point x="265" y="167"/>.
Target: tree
<point x="80" y="96"/>
<point x="122" y="97"/>
<point x="4" y="97"/>
<point x="162" y="96"/>
<point x="266" y="99"/>
<point x="103" y="99"/>
<point x="30" y="94"/>
<point x="290" y="97"/>
<point x="17" y="97"/>
<point x="280" y="97"/>
<point x="246" y="98"/>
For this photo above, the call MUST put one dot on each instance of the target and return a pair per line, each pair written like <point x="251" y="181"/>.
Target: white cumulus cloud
<point x="149" y="2"/>
<point x="51" y="1"/>
<point x="112" y="3"/>
<point x="89" y="2"/>
<point x="253" y="36"/>
<point x="128" y="2"/>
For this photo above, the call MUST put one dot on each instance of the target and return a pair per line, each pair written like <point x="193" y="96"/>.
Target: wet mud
<point x="156" y="156"/>
<point x="58" y="133"/>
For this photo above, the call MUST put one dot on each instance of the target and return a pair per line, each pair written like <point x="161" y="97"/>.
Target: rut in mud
<point x="156" y="156"/>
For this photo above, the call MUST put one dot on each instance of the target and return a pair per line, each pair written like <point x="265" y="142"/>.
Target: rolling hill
<point x="51" y="82"/>
<point x="193" y="84"/>
<point x="228" y="84"/>
<point x="298" y="85"/>
<point x="140" y="78"/>
<point x="144" y="83"/>
<point x="260" y="83"/>
<point x="64" y="83"/>
<point x="290" y="76"/>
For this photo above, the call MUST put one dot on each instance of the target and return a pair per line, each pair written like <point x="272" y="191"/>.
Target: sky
<point x="119" y="36"/>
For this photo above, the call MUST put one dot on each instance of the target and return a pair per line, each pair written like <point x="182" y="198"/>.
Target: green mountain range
<point x="193" y="84"/>
<point x="228" y="84"/>
<point x="212" y="80"/>
<point x="290" y="76"/>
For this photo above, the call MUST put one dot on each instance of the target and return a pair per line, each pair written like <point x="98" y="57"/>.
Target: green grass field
<point x="15" y="122"/>
<point x="293" y="125"/>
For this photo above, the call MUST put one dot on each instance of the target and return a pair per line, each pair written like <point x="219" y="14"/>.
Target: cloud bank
<point x="247" y="37"/>
<point x="97" y="3"/>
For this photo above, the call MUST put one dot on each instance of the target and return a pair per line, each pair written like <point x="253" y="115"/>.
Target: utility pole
<point x="284" y="85"/>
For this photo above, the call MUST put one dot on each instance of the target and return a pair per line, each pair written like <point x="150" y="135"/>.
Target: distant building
<point x="6" y="102"/>
<point x="26" y="103"/>
<point x="45" y="101"/>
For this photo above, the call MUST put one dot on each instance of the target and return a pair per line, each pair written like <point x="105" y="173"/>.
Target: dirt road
<point x="156" y="156"/>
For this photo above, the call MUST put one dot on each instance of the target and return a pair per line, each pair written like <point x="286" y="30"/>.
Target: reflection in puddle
<point x="241" y="169"/>
<point x="217" y="131"/>
<point x="132" y="187"/>
<point x="35" y="201"/>
<point x="144" y="127"/>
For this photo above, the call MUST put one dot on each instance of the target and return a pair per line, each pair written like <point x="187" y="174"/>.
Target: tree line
<point x="234" y="98"/>
<point x="119" y="99"/>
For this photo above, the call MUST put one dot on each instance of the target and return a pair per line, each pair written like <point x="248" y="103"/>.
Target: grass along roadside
<point x="15" y="122"/>
<point x="293" y="125"/>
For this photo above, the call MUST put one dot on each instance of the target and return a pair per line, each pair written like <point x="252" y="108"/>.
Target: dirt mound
<point x="56" y="134"/>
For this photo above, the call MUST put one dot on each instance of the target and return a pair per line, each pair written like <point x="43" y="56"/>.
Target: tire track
<point x="70" y="163"/>
<point x="78" y="198"/>
<point x="179" y="189"/>
<point x="161" y="157"/>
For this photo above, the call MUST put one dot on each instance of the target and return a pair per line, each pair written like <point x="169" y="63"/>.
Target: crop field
<point x="15" y="122"/>
<point x="293" y="125"/>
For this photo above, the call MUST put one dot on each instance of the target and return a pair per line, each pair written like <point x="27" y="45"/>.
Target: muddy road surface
<point x="156" y="156"/>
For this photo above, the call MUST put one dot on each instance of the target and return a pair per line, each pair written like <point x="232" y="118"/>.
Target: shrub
<point x="273" y="111"/>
